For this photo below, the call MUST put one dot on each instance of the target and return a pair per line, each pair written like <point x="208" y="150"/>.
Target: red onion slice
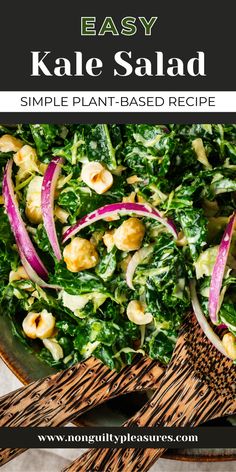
<point x="23" y="241"/>
<point x="222" y="326"/>
<point x="219" y="269"/>
<point x="206" y="328"/>
<point x="140" y="209"/>
<point x="137" y="258"/>
<point x="47" y="202"/>
<point x="34" y="276"/>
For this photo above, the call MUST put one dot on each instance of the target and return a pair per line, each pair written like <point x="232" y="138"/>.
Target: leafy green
<point x="74" y="149"/>
<point x="78" y="199"/>
<point x="194" y="225"/>
<point x="4" y="156"/>
<point x="79" y="283"/>
<point x="164" y="277"/>
<point x="228" y="315"/>
<point x="44" y="136"/>
<point x="93" y="142"/>
<point x="161" y="345"/>
<point x="8" y="256"/>
<point x="155" y="164"/>
<point x="100" y="146"/>
<point x="107" y="265"/>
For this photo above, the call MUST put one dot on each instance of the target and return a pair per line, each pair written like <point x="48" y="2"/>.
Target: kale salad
<point x="111" y="234"/>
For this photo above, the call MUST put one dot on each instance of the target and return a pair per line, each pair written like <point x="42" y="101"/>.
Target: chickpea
<point x="19" y="274"/>
<point x="45" y="325"/>
<point x="136" y="313"/>
<point x="26" y="159"/>
<point x="54" y="347"/>
<point x="9" y="143"/>
<point x="229" y="343"/>
<point x="108" y="240"/>
<point x="33" y="200"/>
<point x="80" y="254"/>
<point x="39" y="325"/>
<point x="129" y="236"/>
<point x="97" y="177"/>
